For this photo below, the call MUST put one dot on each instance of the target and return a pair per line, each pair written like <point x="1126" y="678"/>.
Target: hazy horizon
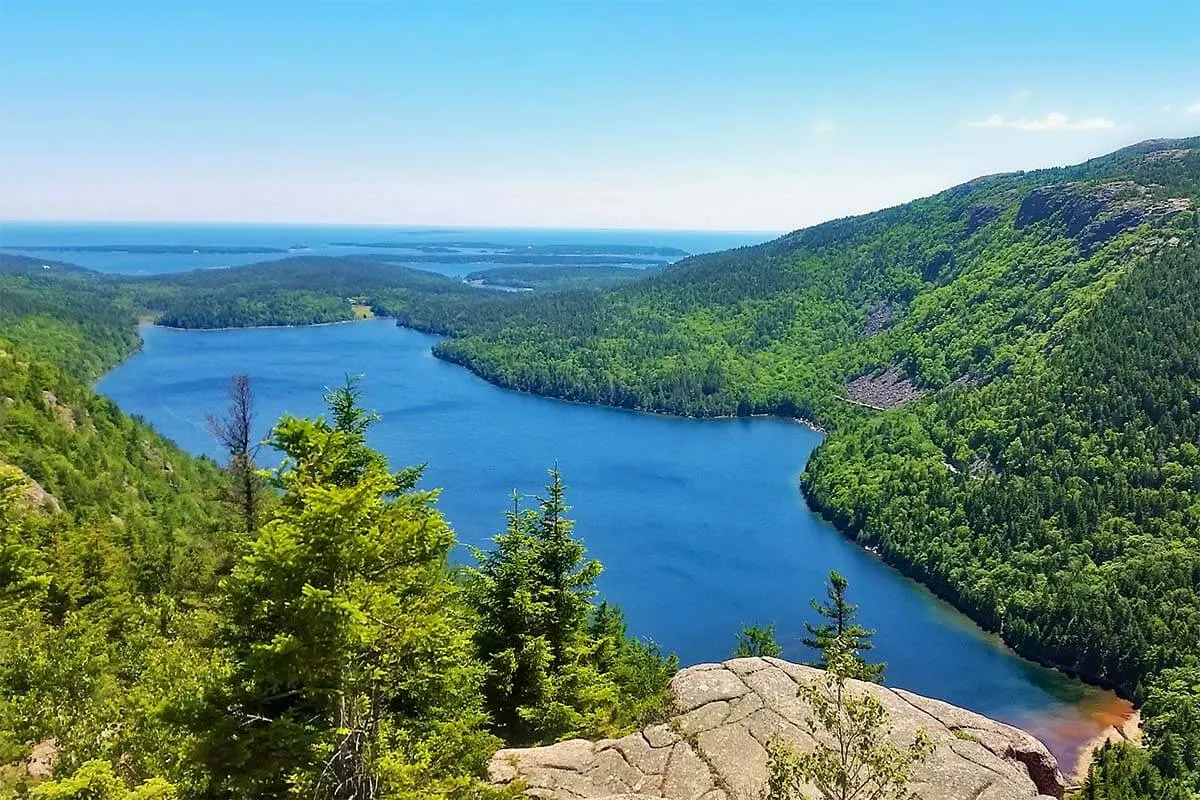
<point x="485" y="226"/>
<point x="617" y="116"/>
<point x="391" y="225"/>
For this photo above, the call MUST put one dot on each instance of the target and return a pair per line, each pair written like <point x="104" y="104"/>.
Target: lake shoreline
<point x="804" y="421"/>
<point x="1129" y="731"/>
<point x="1081" y="757"/>
<point x="264" y="327"/>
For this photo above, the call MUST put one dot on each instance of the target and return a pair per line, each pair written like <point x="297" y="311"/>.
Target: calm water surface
<point x="310" y="240"/>
<point x="700" y="524"/>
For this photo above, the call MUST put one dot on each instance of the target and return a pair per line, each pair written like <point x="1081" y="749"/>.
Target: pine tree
<point x="557" y="666"/>
<point x="533" y="594"/>
<point x="512" y="617"/>
<point x="757" y="640"/>
<point x="352" y="673"/>
<point x="570" y="578"/>
<point x="841" y="632"/>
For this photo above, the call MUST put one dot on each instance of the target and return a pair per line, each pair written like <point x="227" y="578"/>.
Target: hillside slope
<point x="111" y="545"/>
<point x="1058" y="506"/>
<point x="101" y="308"/>
<point x="875" y="309"/>
<point x="1011" y="371"/>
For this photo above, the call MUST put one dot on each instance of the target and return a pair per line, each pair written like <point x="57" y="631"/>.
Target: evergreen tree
<point x="512" y="618"/>
<point x="638" y="667"/>
<point x="570" y="579"/>
<point x="1172" y="727"/>
<point x="533" y="594"/>
<point x="351" y="662"/>
<point x="757" y="640"/>
<point x="841" y="632"/>
<point x="1120" y="771"/>
<point x="557" y="666"/>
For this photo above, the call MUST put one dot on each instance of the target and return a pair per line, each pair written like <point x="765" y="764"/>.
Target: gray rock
<point x="715" y="746"/>
<point x="1094" y="214"/>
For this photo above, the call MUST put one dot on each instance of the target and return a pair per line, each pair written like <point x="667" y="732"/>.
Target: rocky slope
<point x="714" y="746"/>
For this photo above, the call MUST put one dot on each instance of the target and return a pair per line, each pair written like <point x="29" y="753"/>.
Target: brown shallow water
<point x="1072" y="736"/>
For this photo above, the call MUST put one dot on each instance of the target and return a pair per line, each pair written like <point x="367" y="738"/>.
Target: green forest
<point x="1008" y="372"/>
<point x="172" y="628"/>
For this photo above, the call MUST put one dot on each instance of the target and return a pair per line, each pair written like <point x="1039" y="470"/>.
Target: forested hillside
<point x="1009" y="370"/>
<point x="873" y="309"/>
<point x="64" y="314"/>
<point x="303" y="290"/>
<point x="157" y="641"/>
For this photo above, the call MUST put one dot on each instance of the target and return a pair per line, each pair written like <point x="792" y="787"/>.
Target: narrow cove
<point x="699" y="523"/>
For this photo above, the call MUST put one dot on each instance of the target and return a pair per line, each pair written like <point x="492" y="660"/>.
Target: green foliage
<point x="757" y="640"/>
<point x="557" y="278"/>
<point x="1056" y="506"/>
<point x="1172" y="728"/>
<point x="853" y="755"/>
<point x="1044" y="482"/>
<point x="85" y="319"/>
<point x="66" y="315"/>
<point x="557" y="666"/>
<point x="96" y="780"/>
<point x="352" y="672"/>
<point x="841" y="635"/>
<point x="948" y="288"/>
<point x="110" y="549"/>
<point x="1125" y="772"/>
<point x="638" y="667"/>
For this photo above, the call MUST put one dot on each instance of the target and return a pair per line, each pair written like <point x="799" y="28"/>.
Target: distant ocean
<point x="55" y="241"/>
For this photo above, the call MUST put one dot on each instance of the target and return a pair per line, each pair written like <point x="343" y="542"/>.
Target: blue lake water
<point x="700" y="524"/>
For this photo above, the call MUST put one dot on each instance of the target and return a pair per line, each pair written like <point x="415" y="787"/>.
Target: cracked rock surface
<point x="714" y="748"/>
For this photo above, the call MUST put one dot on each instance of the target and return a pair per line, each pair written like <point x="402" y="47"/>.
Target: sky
<point x="693" y="115"/>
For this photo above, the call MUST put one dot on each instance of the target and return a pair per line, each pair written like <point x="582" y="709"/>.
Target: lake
<point x="699" y="523"/>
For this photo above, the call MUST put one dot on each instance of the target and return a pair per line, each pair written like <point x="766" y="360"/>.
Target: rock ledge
<point x="714" y="746"/>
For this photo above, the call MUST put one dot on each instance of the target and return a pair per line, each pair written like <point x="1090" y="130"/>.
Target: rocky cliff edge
<point x="714" y="748"/>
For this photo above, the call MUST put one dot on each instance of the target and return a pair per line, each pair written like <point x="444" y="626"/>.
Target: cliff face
<point x="714" y="746"/>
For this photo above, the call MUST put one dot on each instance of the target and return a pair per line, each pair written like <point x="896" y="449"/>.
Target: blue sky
<point x="702" y="115"/>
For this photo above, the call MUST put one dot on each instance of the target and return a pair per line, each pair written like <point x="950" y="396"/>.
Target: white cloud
<point x="1194" y="108"/>
<point x="1167" y="108"/>
<point x="1020" y="95"/>
<point x="1054" y="121"/>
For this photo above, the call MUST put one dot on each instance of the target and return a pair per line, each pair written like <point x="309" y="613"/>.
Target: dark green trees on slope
<point x="1057" y="506"/>
<point x="351" y="670"/>
<point x="162" y="650"/>
<point x="558" y="666"/>
<point x="953" y="287"/>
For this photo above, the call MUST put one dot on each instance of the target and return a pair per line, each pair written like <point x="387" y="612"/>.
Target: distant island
<point x="147" y="249"/>
<point x="545" y="259"/>
<point x="556" y="278"/>
<point x="538" y="249"/>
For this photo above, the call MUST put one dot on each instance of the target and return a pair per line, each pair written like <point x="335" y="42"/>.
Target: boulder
<point x="714" y="747"/>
